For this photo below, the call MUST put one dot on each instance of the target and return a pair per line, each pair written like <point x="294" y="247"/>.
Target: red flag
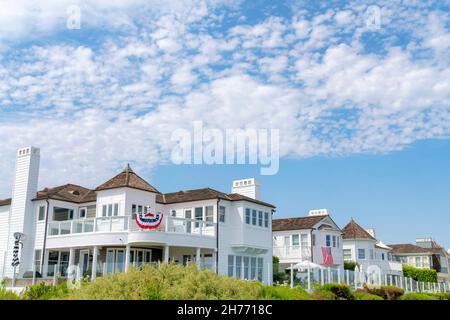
<point x="327" y="256"/>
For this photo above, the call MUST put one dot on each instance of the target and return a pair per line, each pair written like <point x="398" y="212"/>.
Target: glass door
<point x="84" y="261"/>
<point x="64" y="264"/>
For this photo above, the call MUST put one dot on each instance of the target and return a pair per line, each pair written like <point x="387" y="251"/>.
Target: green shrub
<point x="366" y="296"/>
<point x="441" y="296"/>
<point x="424" y="275"/>
<point x="177" y="282"/>
<point x="44" y="291"/>
<point x="340" y="291"/>
<point x="284" y="293"/>
<point x="350" y="265"/>
<point x="387" y="292"/>
<point x="419" y="296"/>
<point x="8" y="295"/>
<point x="323" y="295"/>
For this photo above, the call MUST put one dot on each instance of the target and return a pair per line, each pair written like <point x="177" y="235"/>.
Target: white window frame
<point x="39" y="212"/>
<point x="79" y="212"/>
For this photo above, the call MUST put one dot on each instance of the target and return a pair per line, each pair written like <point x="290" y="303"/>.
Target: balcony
<point x="292" y="252"/>
<point x="128" y="224"/>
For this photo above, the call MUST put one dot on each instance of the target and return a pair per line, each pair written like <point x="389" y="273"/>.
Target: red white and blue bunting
<point x="148" y="220"/>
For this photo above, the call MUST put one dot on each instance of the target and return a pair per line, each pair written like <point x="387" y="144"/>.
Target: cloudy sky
<point x="338" y="83"/>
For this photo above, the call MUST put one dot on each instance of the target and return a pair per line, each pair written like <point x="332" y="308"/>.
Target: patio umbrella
<point x="305" y="264"/>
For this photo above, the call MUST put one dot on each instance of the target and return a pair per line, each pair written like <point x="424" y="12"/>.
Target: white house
<point x="126" y="221"/>
<point x="314" y="238"/>
<point x="361" y="246"/>
<point x="426" y="253"/>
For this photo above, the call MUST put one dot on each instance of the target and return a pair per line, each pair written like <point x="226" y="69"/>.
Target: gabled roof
<point x="296" y="223"/>
<point x="407" y="248"/>
<point x="5" y="202"/>
<point x="204" y="194"/>
<point x="68" y="192"/>
<point x="354" y="231"/>
<point x="127" y="178"/>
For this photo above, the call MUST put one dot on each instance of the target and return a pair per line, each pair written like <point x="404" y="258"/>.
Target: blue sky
<point x="360" y="91"/>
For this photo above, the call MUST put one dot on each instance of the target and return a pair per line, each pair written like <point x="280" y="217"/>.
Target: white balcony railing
<point x="292" y="252"/>
<point x="127" y="223"/>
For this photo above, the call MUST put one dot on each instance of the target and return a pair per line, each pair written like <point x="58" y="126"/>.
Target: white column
<point x="166" y="253"/>
<point x="94" y="263"/>
<point x="214" y="254"/>
<point x="127" y="257"/>
<point x="198" y="258"/>
<point x="71" y="257"/>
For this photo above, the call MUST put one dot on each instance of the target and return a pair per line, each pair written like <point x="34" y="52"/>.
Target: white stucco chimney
<point x="22" y="217"/>
<point x="247" y="187"/>
<point x="318" y="212"/>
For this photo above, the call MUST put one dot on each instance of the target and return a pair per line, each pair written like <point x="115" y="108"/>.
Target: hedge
<point x="339" y="291"/>
<point x="423" y="275"/>
<point x="418" y="296"/>
<point x="386" y="292"/>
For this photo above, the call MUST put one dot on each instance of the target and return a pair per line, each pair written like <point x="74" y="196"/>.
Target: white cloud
<point x="93" y="107"/>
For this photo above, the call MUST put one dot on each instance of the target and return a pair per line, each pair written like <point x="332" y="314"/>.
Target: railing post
<point x="110" y="224"/>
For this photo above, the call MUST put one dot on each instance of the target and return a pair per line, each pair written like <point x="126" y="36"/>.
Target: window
<point x="246" y="268"/>
<point x="266" y="219"/>
<point x="37" y="260"/>
<point x="362" y="254"/>
<point x="382" y="256"/>
<point x="104" y="211"/>
<point x="116" y="209"/>
<point x="260" y="268"/>
<point x="230" y="265"/>
<point x="239" y="267"/>
<point x="334" y="241"/>
<point x="110" y="210"/>
<point x="41" y="213"/>
<point x="295" y="240"/>
<point x="252" y="268"/>
<point x="304" y="240"/>
<point x="62" y="214"/>
<point x="173" y="213"/>
<point x="338" y="240"/>
<point x="371" y="254"/>
<point x="347" y="254"/>
<point x="53" y="258"/>
<point x="313" y="239"/>
<point x="254" y="217"/>
<point x="418" y="262"/>
<point x="198" y="215"/>
<point x="222" y="211"/>
<point x="82" y="213"/>
<point x="260" y="218"/>
<point x="247" y="216"/>
<point x="328" y="240"/>
<point x="209" y="213"/>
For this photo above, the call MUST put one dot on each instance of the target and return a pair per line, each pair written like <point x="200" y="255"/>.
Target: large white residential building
<point x="425" y="254"/>
<point x="314" y="238"/>
<point x="126" y="221"/>
<point x="361" y="246"/>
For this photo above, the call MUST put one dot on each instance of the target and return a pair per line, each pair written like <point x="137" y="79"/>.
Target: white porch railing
<point x="127" y="223"/>
<point x="292" y="252"/>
